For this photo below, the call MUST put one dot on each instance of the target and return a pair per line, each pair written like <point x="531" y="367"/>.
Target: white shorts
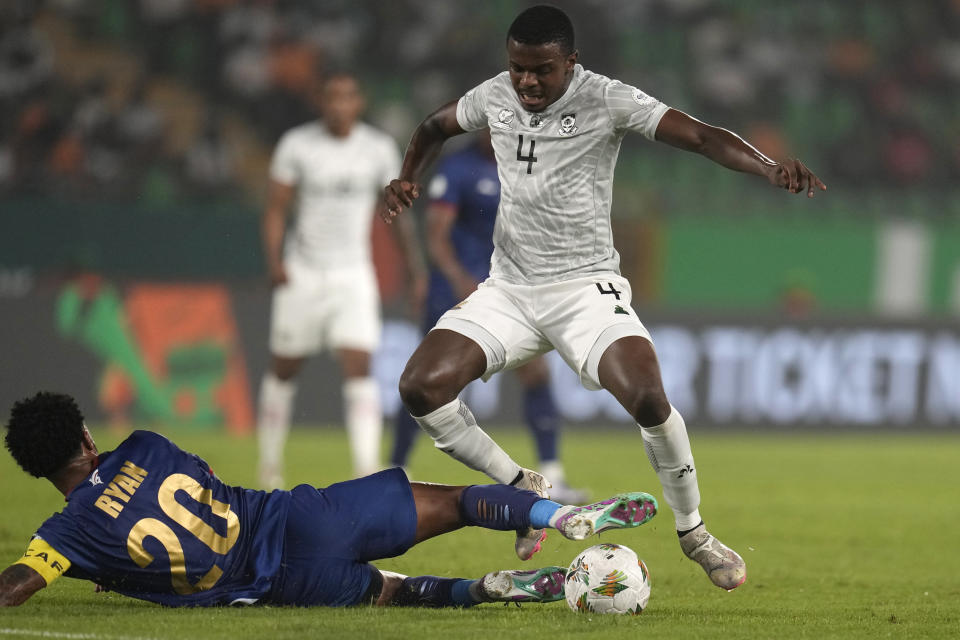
<point x="325" y="309"/>
<point x="579" y="318"/>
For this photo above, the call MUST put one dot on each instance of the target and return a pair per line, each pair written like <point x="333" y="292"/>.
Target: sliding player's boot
<point x="622" y="511"/>
<point x="723" y="565"/>
<point x="529" y="540"/>
<point x="537" y="585"/>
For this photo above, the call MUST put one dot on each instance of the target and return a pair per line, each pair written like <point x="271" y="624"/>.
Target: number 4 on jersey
<point x="611" y="291"/>
<point x="530" y="158"/>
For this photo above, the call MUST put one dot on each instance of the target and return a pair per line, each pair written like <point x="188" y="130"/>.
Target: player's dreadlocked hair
<point x="543" y="24"/>
<point x="44" y="432"/>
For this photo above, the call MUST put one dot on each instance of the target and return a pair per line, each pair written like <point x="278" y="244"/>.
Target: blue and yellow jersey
<point x="153" y="522"/>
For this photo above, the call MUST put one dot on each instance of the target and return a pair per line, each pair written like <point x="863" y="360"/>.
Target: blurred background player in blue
<point x="464" y="195"/>
<point x="152" y="521"/>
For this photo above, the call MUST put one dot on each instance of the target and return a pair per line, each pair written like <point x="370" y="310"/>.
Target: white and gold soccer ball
<point x="607" y="578"/>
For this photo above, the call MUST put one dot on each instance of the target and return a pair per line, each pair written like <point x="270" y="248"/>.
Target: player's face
<point x="540" y="73"/>
<point x="340" y="103"/>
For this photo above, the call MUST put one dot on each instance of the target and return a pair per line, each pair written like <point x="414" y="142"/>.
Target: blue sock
<point x="431" y="591"/>
<point x="460" y="593"/>
<point x="541" y="512"/>
<point x="543" y="420"/>
<point x="405" y="431"/>
<point x="497" y="506"/>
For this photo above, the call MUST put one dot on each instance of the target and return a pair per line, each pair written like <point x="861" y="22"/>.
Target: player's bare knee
<point x="648" y="405"/>
<point x="424" y="389"/>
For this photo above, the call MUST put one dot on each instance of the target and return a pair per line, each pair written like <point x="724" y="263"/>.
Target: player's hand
<point x="794" y="176"/>
<point x="278" y="275"/>
<point x="397" y="195"/>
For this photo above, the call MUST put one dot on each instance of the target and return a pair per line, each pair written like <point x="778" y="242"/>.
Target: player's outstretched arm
<point x="424" y="147"/>
<point x="730" y="150"/>
<point x="17" y="583"/>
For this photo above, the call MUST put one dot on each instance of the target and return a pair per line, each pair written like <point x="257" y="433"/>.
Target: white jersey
<point x="556" y="172"/>
<point x="338" y="181"/>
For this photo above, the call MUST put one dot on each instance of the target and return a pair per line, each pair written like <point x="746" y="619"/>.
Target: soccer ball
<point x="607" y="578"/>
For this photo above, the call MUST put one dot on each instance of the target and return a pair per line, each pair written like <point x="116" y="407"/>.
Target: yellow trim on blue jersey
<point x="44" y="559"/>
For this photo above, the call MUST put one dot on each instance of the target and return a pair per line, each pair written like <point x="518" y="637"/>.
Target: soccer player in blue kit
<point x="151" y="521"/>
<point x="464" y="194"/>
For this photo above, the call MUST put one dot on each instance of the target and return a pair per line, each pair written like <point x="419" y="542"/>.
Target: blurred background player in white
<point x="464" y="195"/>
<point x="325" y="288"/>
<point x="555" y="278"/>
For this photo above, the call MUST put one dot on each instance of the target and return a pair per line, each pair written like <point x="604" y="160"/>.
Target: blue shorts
<point x="333" y="533"/>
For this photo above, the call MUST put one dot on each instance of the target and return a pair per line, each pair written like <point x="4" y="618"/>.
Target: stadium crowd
<point x="862" y="89"/>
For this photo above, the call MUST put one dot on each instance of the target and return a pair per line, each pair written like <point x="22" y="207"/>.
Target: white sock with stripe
<point x="668" y="449"/>
<point x="455" y="431"/>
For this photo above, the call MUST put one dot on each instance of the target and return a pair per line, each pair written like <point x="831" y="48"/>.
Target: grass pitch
<point x="845" y="536"/>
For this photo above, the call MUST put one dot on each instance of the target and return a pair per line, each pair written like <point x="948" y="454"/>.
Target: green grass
<point x="845" y="536"/>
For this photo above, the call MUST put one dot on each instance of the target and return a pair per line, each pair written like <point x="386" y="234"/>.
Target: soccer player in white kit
<point x="325" y="289"/>
<point x="555" y="281"/>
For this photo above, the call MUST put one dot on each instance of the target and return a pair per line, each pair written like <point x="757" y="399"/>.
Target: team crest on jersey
<point x="95" y="478"/>
<point x="642" y="99"/>
<point x="568" y="124"/>
<point x="504" y="119"/>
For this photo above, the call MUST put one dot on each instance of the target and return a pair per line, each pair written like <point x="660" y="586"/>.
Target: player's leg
<point x="442" y="508"/>
<point x="542" y="418"/>
<point x="486" y="333"/>
<point x="405" y="430"/>
<point x="353" y="332"/>
<point x="537" y="585"/>
<point x="277" y="391"/>
<point x="629" y="369"/>
<point x="362" y="412"/>
<point x="294" y="335"/>
<point x="439" y="369"/>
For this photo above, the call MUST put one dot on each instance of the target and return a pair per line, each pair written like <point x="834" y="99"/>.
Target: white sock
<point x="361" y="402"/>
<point x="668" y="449"/>
<point x="273" y="424"/>
<point x="455" y="431"/>
<point x="552" y="470"/>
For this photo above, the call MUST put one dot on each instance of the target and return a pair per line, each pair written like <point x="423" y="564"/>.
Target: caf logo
<point x="568" y="124"/>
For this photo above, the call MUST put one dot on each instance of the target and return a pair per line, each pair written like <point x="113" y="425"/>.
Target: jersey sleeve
<point x="445" y="185"/>
<point x="633" y="110"/>
<point x="44" y="559"/>
<point x="285" y="166"/>
<point x="472" y="107"/>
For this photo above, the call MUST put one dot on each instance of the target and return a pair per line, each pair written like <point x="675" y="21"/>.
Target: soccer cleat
<point x="529" y="540"/>
<point x="622" y="511"/>
<point x="723" y="565"/>
<point x="537" y="585"/>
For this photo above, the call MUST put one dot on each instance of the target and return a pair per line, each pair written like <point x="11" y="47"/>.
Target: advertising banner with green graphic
<point x="178" y="355"/>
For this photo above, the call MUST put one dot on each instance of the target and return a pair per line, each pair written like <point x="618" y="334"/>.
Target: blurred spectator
<point x="210" y="166"/>
<point x="863" y="88"/>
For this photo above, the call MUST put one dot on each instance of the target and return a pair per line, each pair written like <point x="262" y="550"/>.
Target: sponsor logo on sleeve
<point x="643" y="99"/>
